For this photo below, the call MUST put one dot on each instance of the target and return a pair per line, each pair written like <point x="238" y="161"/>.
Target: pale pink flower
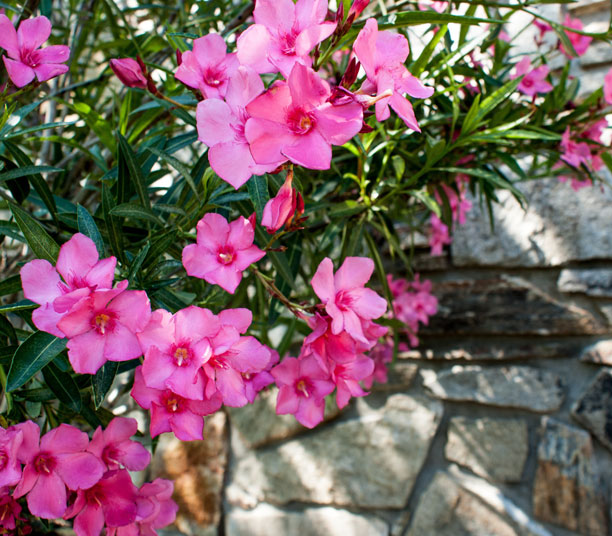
<point x="81" y="272"/>
<point x="294" y="120"/>
<point x="459" y="205"/>
<point x="222" y="252"/>
<point x="10" y="512"/>
<point x="575" y="183"/>
<point x="284" y="33"/>
<point x="574" y="153"/>
<point x="347" y="376"/>
<point x="534" y="79"/>
<point x="356" y="8"/>
<point x="437" y="5"/>
<point x="579" y="42"/>
<point x="254" y="382"/>
<point x="103" y="327"/>
<point x="382" y="355"/>
<point x="281" y="208"/>
<point x="382" y="55"/>
<point x="439" y="235"/>
<point x="208" y="67"/>
<point x="10" y="466"/>
<point x="25" y="61"/>
<point x="58" y="461"/>
<point x="346" y="299"/>
<point x="303" y="386"/>
<point x="130" y="73"/>
<point x="608" y="87"/>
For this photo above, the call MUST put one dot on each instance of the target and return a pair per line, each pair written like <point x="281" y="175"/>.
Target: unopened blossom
<point x="303" y="386"/>
<point x="281" y="208"/>
<point x="345" y="297"/>
<point x="579" y="42"/>
<point x="81" y="273"/>
<point x="103" y="327"/>
<point x="382" y="55"/>
<point x="26" y="60"/>
<point x="208" y="67"/>
<point x="52" y="463"/>
<point x="222" y="252"/>
<point x="130" y="73"/>
<point x="10" y="466"/>
<point x="115" y="448"/>
<point x="221" y="126"/>
<point x="534" y="79"/>
<point x="608" y="87"/>
<point x="284" y="33"/>
<point x="356" y="8"/>
<point x="295" y="120"/>
<point x="439" y="235"/>
<point x="10" y="512"/>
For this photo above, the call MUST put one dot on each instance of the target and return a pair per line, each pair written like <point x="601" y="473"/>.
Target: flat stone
<point x="566" y="489"/>
<point x="513" y="386"/>
<point x="600" y="353"/>
<point x="595" y="282"/>
<point x="266" y="520"/>
<point x="505" y="306"/>
<point x="372" y="460"/>
<point x="492" y="448"/>
<point x="594" y="408"/>
<point x="559" y="226"/>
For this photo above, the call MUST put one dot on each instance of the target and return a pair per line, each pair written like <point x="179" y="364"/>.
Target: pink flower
<point x="10" y="467"/>
<point x="574" y="153"/>
<point x="459" y="205"/>
<point x="347" y="376"/>
<point x="82" y="273"/>
<point x="303" y="386"/>
<point x="356" y="8"/>
<point x="575" y="183"/>
<point x="281" y="208"/>
<point x="294" y="120"/>
<point x="208" y="67"/>
<point x="103" y="327"/>
<point x="382" y="55"/>
<point x="439" y="236"/>
<point x="544" y="27"/>
<point x="129" y="72"/>
<point x="346" y="299"/>
<point x="326" y="346"/>
<point x="222" y="252"/>
<point x="436" y="5"/>
<point x="59" y="460"/>
<point x="534" y="80"/>
<point x="579" y="42"/>
<point x="26" y="61"/>
<point x="115" y="448"/>
<point x="283" y="34"/>
<point x="382" y="355"/>
<point x="608" y="87"/>
<point x="10" y="512"/>
<point x="254" y="382"/>
<point x="221" y="127"/>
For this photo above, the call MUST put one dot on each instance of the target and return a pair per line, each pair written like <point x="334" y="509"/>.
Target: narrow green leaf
<point x="64" y="387"/>
<point x="26" y="171"/>
<point x="380" y="269"/>
<point x="136" y="212"/>
<point x="102" y="381"/>
<point x="137" y="262"/>
<point x="497" y="97"/>
<point x="22" y="305"/>
<point x="257" y="187"/>
<point x="412" y="18"/>
<point x="11" y="229"/>
<point x="41" y="244"/>
<point x="419" y="65"/>
<point x="88" y="227"/>
<point x="112" y="225"/>
<point x="179" y="166"/>
<point x="11" y="285"/>
<point x="135" y="173"/>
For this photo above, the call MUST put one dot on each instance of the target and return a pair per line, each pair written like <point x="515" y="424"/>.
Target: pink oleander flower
<point x="542" y="26"/>
<point x="171" y="412"/>
<point x="176" y="347"/>
<point x="459" y="205"/>
<point x="52" y="463"/>
<point x="222" y="252"/>
<point x="382" y="355"/>
<point x="10" y="512"/>
<point x="303" y="386"/>
<point x="281" y="208"/>
<point x="284" y="33"/>
<point x="254" y="382"/>
<point x="439" y="235"/>
<point x="208" y="67"/>
<point x="356" y="8"/>
<point x="81" y="273"/>
<point x="575" y="183"/>
<point x="574" y="153"/>
<point x="115" y="448"/>
<point x="111" y="502"/>
<point x="10" y="466"/>
<point x="579" y="42"/>
<point x="221" y="127"/>
<point x="436" y="5"/>
<point x="326" y="346"/>
<point x="382" y="55"/>
<point x="347" y="376"/>
<point x="608" y="87"/>
<point x="25" y="61"/>
<point x="294" y="120"/>
<point x="345" y="297"/>
<point x="534" y="80"/>
<point x="103" y="327"/>
<point x="130" y="73"/>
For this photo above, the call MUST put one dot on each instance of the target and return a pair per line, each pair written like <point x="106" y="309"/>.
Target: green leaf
<point x="380" y="269"/>
<point x="88" y="227"/>
<point x="419" y="65"/>
<point x="33" y="354"/>
<point x="22" y="305"/>
<point x="257" y="187"/>
<point x="64" y="387"/>
<point x="112" y="225"/>
<point x="11" y="285"/>
<point x="137" y="262"/>
<point x="135" y="172"/>
<point x="95" y="122"/>
<point x="136" y="212"/>
<point x="41" y="244"/>
<point x="411" y="18"/>
<point x="26" y="171"/>
<point x="496" y="98"/>
<point x="11" y="229"/>
<point x="179" y="166"/>
<point x="102" y="381"/>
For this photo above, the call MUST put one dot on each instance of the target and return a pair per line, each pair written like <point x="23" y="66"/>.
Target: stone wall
<point x="499" y="424"/>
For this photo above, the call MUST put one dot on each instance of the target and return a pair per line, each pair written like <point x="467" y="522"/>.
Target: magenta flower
<point x="579" y="42"/>
<point x="439" y="235"/>
<point x="284" y="33"/>
<point x="328" y="347"/>
<point x="26" y="61"/>
<point x="129" y="72"/>
<point x="382" y="355"/>
<point x="281" y="208"/>
<point x="115" y="448"/>
<point x="438" y="6"/>
<point x="221" y="127"/>
<point x="347" y="376"/>
<point x="608" y="87"/>
<point x="58" y="461"/>
<point x="103" y="327"/>
<point x="10" y="512"/>
<point x="10" y="467"/>
<point x="534" y="80"/>
<point x="303" y="386"/>
<point x="254" y="382"/>
<point x="222" y="252"/>
<point x="346" y="299"/>
<point x="208" y="67"/>
<point x="294" y="120"/>
<point x="382" y="55"/>
<point x="81" y="272"/>
<point x="574" y="153"/>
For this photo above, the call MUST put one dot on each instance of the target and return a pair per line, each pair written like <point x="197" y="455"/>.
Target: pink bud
<point x="129" y="72"/>
<point x="179" y="57"/>
<point x="281" y="208"/>
<point x="357" y="7"/>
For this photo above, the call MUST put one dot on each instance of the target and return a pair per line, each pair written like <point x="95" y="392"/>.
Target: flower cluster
<point x="65" y="475"/>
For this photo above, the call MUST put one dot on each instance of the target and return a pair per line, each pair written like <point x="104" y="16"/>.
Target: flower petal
<point x="33" y="32"/>
<point x="76" y="257"/>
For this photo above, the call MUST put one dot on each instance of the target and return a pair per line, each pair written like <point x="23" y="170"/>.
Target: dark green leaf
<point x="135" y="173"/>
<point x="41" y="244"/>
<point x="26" y="171"/>
<point x="64" y="387"/>
<point x="179" y="166"/>
<point x="11" y="285"/>
<point x="112" y="224"/>
<point x="257" y="187"/>
<point x="136" y="212"/>
<point x="102" y="381"/>
<point x="88" y="227"/>
<point x="22" y="305"/>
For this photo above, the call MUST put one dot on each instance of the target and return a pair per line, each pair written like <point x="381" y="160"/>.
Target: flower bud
<point x="129" y="72"/>
<point x="281" y="208"/>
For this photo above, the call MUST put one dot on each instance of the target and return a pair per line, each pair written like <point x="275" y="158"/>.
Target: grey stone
<point x="514" y="386"/>
<point x="566" y="489"/>
<point x="593" y="282"/>
<point x="266" y="520"/>
<point x="559" y="226"/>
<point x="372" y="460"/>
<point x="505" y="306"/>
<point x="492" y="448"/>
<point x="600" y="353"/>
<point x="594" y="408"/>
